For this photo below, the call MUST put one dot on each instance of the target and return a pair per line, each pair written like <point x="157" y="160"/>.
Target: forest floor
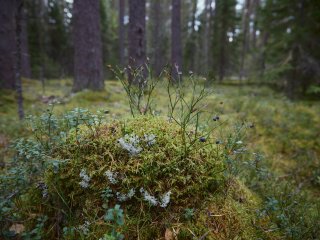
<point x="286" y="133"/>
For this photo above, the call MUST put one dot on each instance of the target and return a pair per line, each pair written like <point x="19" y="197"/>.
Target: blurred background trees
<point x="274" y="42"/>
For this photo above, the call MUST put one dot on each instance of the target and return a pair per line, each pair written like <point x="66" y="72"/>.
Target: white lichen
<point x="125" y="196"/>
<point x="84" y="228"/>
<point x="150" y="139"/>
<point x="112" y="177"/>
<point x="152" y="200"/>
<point x="131" y="144"/>
<point x="148" y="197"/>
<point x="165" y="199"/>
<point x="85" y="179"/>
<point x="131" y="193"/>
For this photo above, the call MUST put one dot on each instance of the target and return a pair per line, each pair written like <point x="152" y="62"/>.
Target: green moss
<point x="286" y="132"/>
<point x="195" y="181"/>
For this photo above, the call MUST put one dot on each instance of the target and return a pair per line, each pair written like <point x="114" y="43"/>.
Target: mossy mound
<point x="140" y="164"/>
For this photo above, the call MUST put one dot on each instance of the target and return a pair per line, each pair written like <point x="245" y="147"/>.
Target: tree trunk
<point x="245" y="30"/>
<point x="206" y="37"/>
<point x="255" y="7"/>
<point x="42" y="42"/>
<point x="88" y="69"/>
<point x="176" y="46"/>
<point x="191" y="46"/>
<point x="25" y="57"/>
<point x="223" y="40"/>
<point x="193" y="35"/>
<point x="156" y="58"/>
<point x="18" y="84"/>
<point x="7" y="44"/>
<point x="121" y="32"/>
<point x="137" y="38"/>
<point x="265" y="37"/>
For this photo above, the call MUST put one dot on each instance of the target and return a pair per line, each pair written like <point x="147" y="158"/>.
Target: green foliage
<point x="106" y="194"/>
<point x="115" y="215"/>
<point x="36" y="233"/>
<point x="86" y="163"/>
<point x="116" y="218"/>
<point x="291" y="52"/>
<point x="43" y="178"/>
<point x="314" y="89"/>
<point x="188" y="213"/>
<point x="186" y="111"/>
<point x="158" y="162"/>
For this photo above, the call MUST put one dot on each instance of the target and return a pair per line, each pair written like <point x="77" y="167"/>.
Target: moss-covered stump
<point x="141" y="165"/>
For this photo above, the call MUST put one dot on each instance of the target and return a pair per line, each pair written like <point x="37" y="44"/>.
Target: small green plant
<point x="139" y="84"/>
<point x="116" y="219"/>
<point x="106" y="194"/>
<point x="185" y="110"/>
<point x="189" y="213"/>
<point x="38" y="232"/>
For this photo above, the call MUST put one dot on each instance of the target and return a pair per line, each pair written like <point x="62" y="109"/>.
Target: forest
<point x="149" y="119"/>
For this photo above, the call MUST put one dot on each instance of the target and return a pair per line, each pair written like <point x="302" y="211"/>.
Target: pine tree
<point x="291" y="52"/>
<point x="223" y="29"/>
<point x="7" y="44"/>
<point x="88" y="70"/>
<point x="137" y="36"/>
<point x="25" y="56"/>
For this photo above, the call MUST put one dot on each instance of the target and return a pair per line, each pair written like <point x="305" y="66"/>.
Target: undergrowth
<point x="223" y="167"/>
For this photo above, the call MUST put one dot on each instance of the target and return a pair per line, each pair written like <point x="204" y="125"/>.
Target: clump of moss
<point x="156" y="182"/>
<point x="139" y="164"/>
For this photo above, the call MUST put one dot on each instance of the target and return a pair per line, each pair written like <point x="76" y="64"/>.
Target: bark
<point x="206" y="37"/>
<point x="42" y="42"/>
<point x="193" y="35"/>
<point x="255" y="7"/>
<point x="293" y="77"/>
<point x="121" y="32"/>
<point x="223" y="41"/>
<point x="245" y="40"/>
<point x="18" y="84"/>
<point x="265" y="37"/>
<point x="88" y="67"/>
<point x="137" y="37"/>
<point x="156" y="58"/>
<point x="176" y="46"/>
<point x="25" y="57"/>
<point x="7" y="44"/>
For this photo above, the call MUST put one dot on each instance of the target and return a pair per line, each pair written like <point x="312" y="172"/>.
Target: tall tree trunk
<point x="193" y="35"/>
<point x="7" y="44"/>
<point x="42" y="42"/>
<point x="265" y="37"/>
<point x="121" y="32"/>
<point x="223" y="40"/>
<point x="176" y="46"/>
<point x="25" y="57"/>
<point x="255" y="7"/>
<point x="88" y="69"/>
<point x="18" y="84"/>
<point x="137" y="37"/>
<point x="156" y="58"/>
<point x="207" y="26"/>
<point x="245" y="40"/>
